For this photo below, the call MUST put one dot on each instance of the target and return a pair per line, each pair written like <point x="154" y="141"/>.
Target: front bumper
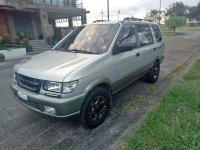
<point x="64" y="107"/>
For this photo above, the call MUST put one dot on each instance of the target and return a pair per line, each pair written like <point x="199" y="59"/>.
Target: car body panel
<point x="90" y="70"/>
<point x="53" y="65"/>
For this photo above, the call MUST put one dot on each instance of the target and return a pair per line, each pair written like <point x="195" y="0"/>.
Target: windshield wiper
<point x="80" y="51"/>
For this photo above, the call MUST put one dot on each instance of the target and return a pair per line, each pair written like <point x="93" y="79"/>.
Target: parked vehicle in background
<point x="84" y="70"/>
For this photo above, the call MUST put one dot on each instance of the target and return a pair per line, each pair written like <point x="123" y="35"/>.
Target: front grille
<point x="32" y="104"/>
<point x="28" y="83"/>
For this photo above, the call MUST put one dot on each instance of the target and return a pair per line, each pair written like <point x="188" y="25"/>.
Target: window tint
<point x="144" y="35"/>
<point x="127" y="39"/>
<point x="157" y="33"/>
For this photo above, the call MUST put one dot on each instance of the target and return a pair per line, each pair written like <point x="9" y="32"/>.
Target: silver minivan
<point x="82" y="72"/>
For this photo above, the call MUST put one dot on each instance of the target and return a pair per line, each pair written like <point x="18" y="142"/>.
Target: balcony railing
<point x="32" y="2"/>
<point x="68" y="3"/>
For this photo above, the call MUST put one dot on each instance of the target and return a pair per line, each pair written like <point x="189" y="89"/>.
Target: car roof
<point x="123" y="22"/>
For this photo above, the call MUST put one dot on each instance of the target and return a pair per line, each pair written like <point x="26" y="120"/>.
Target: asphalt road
<point x="21" y="128"/>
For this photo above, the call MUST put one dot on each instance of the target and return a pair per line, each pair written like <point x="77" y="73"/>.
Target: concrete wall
<point x="11" y="24"/>
<point x="35" y="29"/>
<point x="44" y="21"/>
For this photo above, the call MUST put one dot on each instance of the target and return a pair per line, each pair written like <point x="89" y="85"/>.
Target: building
<point x="30" y="17"/>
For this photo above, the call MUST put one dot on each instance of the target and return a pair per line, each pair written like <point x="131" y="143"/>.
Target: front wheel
<point x="95" y="107"/>
<point x="153" y="75"/>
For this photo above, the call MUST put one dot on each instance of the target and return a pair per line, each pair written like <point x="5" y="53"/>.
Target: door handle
<point x="137" y="54"/>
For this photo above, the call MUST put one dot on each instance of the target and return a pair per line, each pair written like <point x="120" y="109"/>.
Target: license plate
<point x="23" y="96"/>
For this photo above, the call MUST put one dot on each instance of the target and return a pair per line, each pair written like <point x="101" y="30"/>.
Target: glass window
<point x="127" y="39"/>
<point x="144" y="35"/>
<point x="90" y="39"/>
<point x="157" y="33"/>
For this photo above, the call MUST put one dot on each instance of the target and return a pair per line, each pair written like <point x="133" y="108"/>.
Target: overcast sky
<point x="136" y="8"/>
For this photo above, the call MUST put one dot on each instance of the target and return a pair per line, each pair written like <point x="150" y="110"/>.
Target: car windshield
<point x="91" y="39"/>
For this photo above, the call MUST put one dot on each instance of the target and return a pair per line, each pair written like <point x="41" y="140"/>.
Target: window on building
<point x="144" y="35"/>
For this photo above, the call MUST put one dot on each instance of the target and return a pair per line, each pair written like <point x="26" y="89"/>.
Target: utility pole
<point x="118" y="14"/>
<point x="102" y="14"/>
<point x="160" y="12"/>
<point x="108" y="9"/>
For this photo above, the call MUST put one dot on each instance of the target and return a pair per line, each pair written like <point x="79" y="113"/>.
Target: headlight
<point x="69" y="87"/>
<point x="60" y="87"/>
<point x="52" y="86"/>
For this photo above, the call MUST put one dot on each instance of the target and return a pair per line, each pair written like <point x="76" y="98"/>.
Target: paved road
<point x="21" y="128"/>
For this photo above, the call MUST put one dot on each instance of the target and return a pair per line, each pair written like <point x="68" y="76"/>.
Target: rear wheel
<point x="154" y="73"/>
<point x="95" y="107"/>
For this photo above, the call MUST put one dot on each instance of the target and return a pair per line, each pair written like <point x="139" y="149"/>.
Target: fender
<point x="97" y="82"/>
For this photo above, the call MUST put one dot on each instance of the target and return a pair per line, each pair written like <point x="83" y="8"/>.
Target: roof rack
<point x="134" y="19"/>
<point x="99" y="21"/>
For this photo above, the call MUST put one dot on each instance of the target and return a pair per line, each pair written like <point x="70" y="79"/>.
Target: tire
<point x="153" y="75"/>
<point x="95" y="108"/>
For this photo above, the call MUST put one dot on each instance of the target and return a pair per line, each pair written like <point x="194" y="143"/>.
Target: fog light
<point x="50" y="109"/>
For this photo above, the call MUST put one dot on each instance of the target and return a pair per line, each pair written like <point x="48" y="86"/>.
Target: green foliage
<point x="25" y="41"/>
<point x="1" y="40"/>
<point x="175" y="22"/>
<point x="2" y="57"/>
<point x="155" y="15"/>
<point x="7" y="39"/>
<point x="194" y="12"/>
<point x="177" y="9"/>
<point x="174" y="123"/>
<point x="198" y="11"/>
<point x="17" y="40"/>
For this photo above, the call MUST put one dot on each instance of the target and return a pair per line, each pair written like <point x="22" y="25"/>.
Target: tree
<point x="198" y="11"/>
<point x="174" y="22"/>
<point x="154" y="15"/>
<point x="176" y="9"/>
<point x="192" y="12"/>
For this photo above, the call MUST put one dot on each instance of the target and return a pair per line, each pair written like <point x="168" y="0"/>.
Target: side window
<point x="144" y="35"/>
<point x="157" y="33"/>
<point x="126" y="40"/>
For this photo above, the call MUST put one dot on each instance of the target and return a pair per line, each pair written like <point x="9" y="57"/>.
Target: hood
<point x="53" y="65"/>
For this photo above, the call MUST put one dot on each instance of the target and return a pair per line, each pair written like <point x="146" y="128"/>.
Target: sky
<point x="128" y="8"/>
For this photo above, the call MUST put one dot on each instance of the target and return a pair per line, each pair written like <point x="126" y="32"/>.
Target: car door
<point x="125" y="55"/>
<point x="159" y="40"/>
<point x="147" y="48"/>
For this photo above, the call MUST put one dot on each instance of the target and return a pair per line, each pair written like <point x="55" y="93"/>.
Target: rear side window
<point x="144" y="35"/>
<point x="157" y="33"/>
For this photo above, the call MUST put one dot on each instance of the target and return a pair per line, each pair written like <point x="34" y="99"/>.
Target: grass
<point x="175" y="71"/>
<point x="165" y="30"/>
<point x="175" y="122"/>
<point x="137" y="101"/>
<point x="186" y="28"/>
<point x="152" y="89"/>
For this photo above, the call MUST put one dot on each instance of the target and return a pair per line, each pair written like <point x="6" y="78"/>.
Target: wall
<point x="4" y="30"/>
